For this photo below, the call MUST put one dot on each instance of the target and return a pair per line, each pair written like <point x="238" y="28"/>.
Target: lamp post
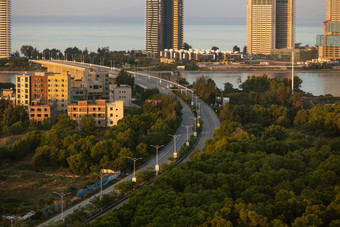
<point x="62" y="195"/>
<point x="134" y="179"/>
<point x="195" y="125"/>
<point x="12" y="220"/>
<point x="111" y="65"/>
<point x="156" y="166"/>
<point x="199" y="110"/>
<point x="101" y="183"/>
<point x="175" y="147"/>
<point x="187" y="126"/>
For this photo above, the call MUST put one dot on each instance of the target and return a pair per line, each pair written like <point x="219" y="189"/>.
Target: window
<point x="26" y="79"/>
<point x="74" y="115"/>
<point x="98" y="108"/>
<point x="111" y="115"/>
<point x="26" y="85"/>
<point x="93" y="115"/>
<point x="18" y="85"/>
<point x="45" y="109"/>
<point x="18" y="90"/>
<point x="111" y="108"/>
<point x="39" y="115"/>
<point x="94" y="109"/>
<point x="32" y="109"/>
<point x="32" y="115"/>
<point x="99" y="115"/>
<point x="116" y="115"/>
<point x="18" y="96"/>
<point x="26" y="90"/>
<point x="111" y="122"/>
<point x="46" y="115"/>
<point x="18" y="79"/>
<point x="39" y="109"/>
<point x="116" y="109"/>
<point x="74" y="108"/>
<point x="26" y="96"/>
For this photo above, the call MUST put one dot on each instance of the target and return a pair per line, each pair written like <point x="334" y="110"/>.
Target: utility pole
<point x="293" y="59"/>
<point x="101" y="183"/>
<point x="134" y="179"/>
<point x="62" y="195"/>
<point x="156" y="166"/>
<point x="187" y="126"/>
<point x="175" y="147"/>
<point x="195" y="125"/>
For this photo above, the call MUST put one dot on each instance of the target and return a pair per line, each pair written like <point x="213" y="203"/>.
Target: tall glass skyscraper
<point x="271" y="25"/>
<point x="5" y="28"/>
<point x="163" y="25"/>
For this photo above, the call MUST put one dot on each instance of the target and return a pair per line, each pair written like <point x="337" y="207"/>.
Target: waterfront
<point x="317" y="83"/>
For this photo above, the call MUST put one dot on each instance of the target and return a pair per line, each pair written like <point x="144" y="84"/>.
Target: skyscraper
<point x="333" y="10"/>
<point x="271" y="25"/>
<point x="163" y="25"/>
<point x="5" y="28"/>
<point x="329" y="43"/>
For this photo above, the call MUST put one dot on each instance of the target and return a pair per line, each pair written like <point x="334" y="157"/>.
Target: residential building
<point x="163" y="25"/>
<point x="122" y="92"/>
<point x="45" y="86"/>
<point x="96" y="84"/>
<point x="8" y="94"/>
<point x="104" y="114"/>
<point x="114" y="112"/>
<point x="59" y="87"/>
<point x="98" y="112"/>
<point x="5" y="28"/>
<point x="39" y="110"/>
<point x="329" y="43"/>
<point x="301" y="55"/>
<point x="23" y="86"/>
<point x="271" y="25"/>
<point x="78" y="94"/>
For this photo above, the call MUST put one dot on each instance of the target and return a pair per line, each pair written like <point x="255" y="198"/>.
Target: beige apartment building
<point x="23" y="86"/>
<point x="114" y="112"/>
<point x="5" y="28"/>
<point x="8" y="94"/>
<point x="271" y="25"/>
<point x="59" y="86"/>
<point x="105" y="115"/>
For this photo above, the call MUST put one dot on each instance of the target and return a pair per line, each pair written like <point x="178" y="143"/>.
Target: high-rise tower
<point x="5" y="28"/>
<point x="271" y="25"/>
<point x="333" y="12"/>
<point x="163" y="25"/>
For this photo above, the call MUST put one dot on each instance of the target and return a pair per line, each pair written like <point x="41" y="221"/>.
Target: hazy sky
<point x="314" y="9"/>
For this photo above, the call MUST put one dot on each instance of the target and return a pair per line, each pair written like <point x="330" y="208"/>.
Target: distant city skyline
<point x="312" y="9"/>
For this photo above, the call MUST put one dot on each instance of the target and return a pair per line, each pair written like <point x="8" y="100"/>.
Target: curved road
<point x="211" y="123"/>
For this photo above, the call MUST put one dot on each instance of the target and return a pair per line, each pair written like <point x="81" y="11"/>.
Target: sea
<point x="127" y="33"/>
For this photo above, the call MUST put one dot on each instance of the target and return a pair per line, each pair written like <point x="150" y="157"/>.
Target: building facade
<point x="104" y="114"/>
<point x="121" y="93"/>
<point x="163" y="25"/>
<point x="5" y="28"/>
<point x="48" y="87"/>
<point x="39" y="110"/>
<point x="329" y="43"/>
<point x="9" y="94"/>
<point x="271" y="25"/>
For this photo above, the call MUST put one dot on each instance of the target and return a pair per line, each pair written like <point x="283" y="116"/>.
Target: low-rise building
<point x="301" y="55"/>
<point x="23" y="86"/>
<point x="121" y="93"/>
<point x="39" y="110"/>
<point x="78" y="94"/>
<point x="114" y="112"/>
<point x="104" y="114"/>
<point x="8" y="94"/>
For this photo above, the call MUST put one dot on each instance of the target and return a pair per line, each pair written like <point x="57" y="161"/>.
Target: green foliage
<point x="14" y="119"/>
<point x="206" y="88"/>
<point x="87" y="124"/>
<point x="124" y="78"/>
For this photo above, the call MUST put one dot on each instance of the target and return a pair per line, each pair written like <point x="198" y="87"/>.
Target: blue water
<point x="127" y="33"/>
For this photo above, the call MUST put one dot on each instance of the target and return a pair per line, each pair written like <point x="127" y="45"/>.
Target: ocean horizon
<point x="128" y="33"/>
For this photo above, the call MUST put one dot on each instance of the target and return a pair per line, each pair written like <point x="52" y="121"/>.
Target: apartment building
<point x="5" y="28"/>
<point x="97" y="84"/>
<point x="121" y="93"/>
<point x="39" y="110"/>
<point x="114" y="112"/>
<point x="23" y="88"/>
<point x="59" y="86"/>
<point x="104" y="114"/>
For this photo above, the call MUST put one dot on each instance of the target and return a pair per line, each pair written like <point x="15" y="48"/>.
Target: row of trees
<point x="13" y="119"/>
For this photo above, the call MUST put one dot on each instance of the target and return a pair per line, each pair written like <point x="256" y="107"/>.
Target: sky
<point x="311" y="9"/>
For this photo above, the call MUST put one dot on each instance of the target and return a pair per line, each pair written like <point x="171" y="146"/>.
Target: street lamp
<point x="187" y="126"/>
<point x="101" y="183"/>
<point x="62" y="195"/>
<point x="175" y="148"/>
<point x="134" y="179"/>
<point x="195" y="120"/>
<point x="156" y="166"/>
